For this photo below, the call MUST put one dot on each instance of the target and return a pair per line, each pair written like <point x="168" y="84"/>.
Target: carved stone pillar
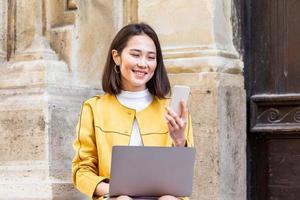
<point x="3" y="25"/>
<point x="39" y="103"/>
<point x="218" y="109"/>
<point x="72" y="4"/>
<point x="197" y="44"/>
<point x="32" y="46"/>
<point x="56" y="50"/>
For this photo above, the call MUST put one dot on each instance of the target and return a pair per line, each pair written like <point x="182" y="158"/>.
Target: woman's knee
<point x="168" y="197"/>
<point x="123" y="197"/>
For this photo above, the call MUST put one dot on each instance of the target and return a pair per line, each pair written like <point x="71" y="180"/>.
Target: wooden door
<point x="272" y="70"/>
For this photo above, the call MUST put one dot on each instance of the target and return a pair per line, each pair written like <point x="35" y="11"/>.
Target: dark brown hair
<point x="158" y="85"/>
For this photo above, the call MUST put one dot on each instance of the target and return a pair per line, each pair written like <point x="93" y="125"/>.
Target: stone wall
<point x="51" y="57"/>
<point x="3" y="25"/>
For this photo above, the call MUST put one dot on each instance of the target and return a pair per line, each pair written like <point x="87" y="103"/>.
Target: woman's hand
<point x="102" y="189"/>
<point x="177" y="124"/>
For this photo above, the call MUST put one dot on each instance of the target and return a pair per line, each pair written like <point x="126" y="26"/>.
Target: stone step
<point x="31" y="179"/>
<point x="23" y="173"/>
<point x="33" y="189"/>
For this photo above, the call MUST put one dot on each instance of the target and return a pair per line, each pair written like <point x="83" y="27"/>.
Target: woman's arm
<point x="85" y="162"/>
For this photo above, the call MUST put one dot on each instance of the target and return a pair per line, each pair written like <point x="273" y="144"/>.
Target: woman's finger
<point x="175" y="116"/>
<point x="171" y="129"/>
<point x="183" y="109"/>
<point x="171" y="121"/>
<point x="171" y="112"/>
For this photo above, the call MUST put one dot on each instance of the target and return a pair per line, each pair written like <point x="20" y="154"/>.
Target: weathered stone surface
<point x="33" y="73"/>
<point x="217" y="106"/>
<point x="95" y="33"/>
<point x="232" y="142"/>
<point x="61" y="30"/>
<point x="19" y="179"/>
<point x="25" y="29"/>
<point x="56" y="13"/>
<point x="40" y="97"/>
<point x="63" y="116"/>
<point x="175" y="26"/>
<point x="222" y="26"/>
<point x="62" y="42"/>
<point x="3" y="25"/>
<point x="62" y="131"/>
<point x="195" y="36"/>
<point x="66" y="191"/>
<point x="22" y="135"/>
<point x="39" y="108"/>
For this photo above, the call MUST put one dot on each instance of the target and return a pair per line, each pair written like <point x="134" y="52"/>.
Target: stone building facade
<point x="51" y="56"/>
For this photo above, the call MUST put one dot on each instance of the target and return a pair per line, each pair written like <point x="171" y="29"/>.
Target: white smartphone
<point x="179" y="93"/>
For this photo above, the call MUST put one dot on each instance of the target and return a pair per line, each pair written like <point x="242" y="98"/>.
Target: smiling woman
<point x="136" y="85"/>
<point x="137" y="41"/>
<point x="136" y="63"/>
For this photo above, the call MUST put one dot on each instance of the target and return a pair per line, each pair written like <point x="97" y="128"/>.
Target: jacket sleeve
<point x="85" y="162"/>
<point x="189" y="132"/>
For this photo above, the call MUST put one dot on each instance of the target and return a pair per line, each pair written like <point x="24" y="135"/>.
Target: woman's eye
<point x="151" y="58"/>
<point x="135" y="55"/>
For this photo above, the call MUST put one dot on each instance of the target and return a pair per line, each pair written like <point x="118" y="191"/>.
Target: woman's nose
<point x="142" y="63"/>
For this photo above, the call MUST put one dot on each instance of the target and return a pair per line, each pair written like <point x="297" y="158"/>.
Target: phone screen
<point x="179" y="93"/>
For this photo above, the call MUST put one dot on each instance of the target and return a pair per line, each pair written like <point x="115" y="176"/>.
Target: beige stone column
<point x="3" y="25"/>
<point x="197" y="42"/>
<point x="39" y="104"/>
<point x="33" y="45"/>
<point x="57" y="51"/>
<point x="218" y="110"/>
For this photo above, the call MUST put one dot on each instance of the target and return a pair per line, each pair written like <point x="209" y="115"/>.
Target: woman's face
<point x="137" y="62"/>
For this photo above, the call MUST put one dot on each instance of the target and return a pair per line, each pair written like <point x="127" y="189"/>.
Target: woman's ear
<point x="116" y="57"/>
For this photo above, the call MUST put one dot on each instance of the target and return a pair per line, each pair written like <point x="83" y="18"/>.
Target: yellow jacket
<point x="103" y="123"/>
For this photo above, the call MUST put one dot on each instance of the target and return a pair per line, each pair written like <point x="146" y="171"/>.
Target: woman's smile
<point x="139" y="73"/>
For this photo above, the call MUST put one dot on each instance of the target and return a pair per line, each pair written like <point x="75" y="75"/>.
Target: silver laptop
<point x="151" y="172"/>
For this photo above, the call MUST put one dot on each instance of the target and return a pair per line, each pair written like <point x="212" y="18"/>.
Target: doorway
<point x="271" y="35"/>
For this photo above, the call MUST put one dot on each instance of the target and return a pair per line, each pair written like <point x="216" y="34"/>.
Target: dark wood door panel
<point x="258" y="167"/>
<point x="275" y="166"/>
<point x="272" y="72"/>
<point x="284" y="193"/>
<point x="292" y="45"/>
<point x="284" y="163"/>
<point x="275" y="46"/>
<point x="284" y="168"/>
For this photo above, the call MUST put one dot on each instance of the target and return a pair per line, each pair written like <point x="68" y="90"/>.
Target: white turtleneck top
<point x="137" y="101"/>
